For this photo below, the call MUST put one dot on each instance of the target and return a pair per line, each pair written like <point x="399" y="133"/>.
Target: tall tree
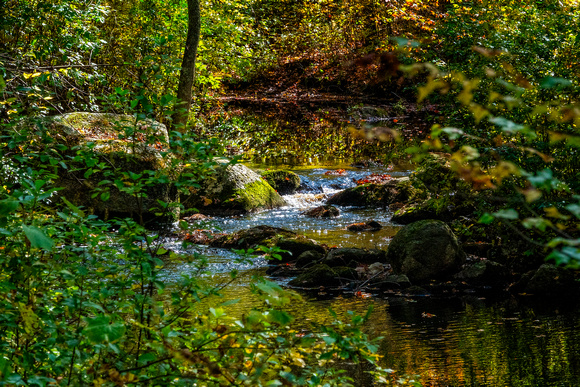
<point x="187" y="73"/>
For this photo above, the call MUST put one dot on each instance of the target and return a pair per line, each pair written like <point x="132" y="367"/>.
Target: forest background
<point x="500" y="83"/>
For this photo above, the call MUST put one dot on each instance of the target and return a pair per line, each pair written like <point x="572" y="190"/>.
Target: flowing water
<point x="460" y="340"/>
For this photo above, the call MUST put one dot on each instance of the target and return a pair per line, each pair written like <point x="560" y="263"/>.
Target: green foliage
<point x="85" y="300"/>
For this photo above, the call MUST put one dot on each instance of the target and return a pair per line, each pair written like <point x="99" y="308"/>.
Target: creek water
<point x="459" y="340"/>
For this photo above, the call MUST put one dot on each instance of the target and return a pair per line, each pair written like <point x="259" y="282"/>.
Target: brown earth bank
<point x="300" y="91"/>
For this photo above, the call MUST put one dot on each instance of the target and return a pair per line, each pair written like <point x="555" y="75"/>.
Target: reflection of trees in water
<point x="475" y="344"/>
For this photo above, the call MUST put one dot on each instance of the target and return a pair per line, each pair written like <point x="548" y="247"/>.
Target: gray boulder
<point x="425" y="250"/>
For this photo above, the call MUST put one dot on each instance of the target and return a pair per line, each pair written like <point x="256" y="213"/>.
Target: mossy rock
<point x="446" y="208"/>
<point x="308" y="257"/>
<point x="100" y="144"/>
<point x="425" y="250"/>
<point x="284" y="182"/>
<point x="293" y="243"/>
<point x="79" y="187"/>
<point x="295" y="246"/>
<point x="488" y="273"/>
<point x="375" y="195"/>
<point x="252" y="237"/>
<point x="548" y="281"/>
<point x="233" y="190"/>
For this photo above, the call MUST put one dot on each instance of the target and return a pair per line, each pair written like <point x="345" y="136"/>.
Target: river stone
<point x="548" y="280"/>
<point x="484" y="272"/>
<point x="252" y="237"/>
<point x="308" y="257"/>
<point x="235" y="189"/>
<point x="425" y="250"/>
<point x="293" y="243"/>
<point x="284" y="182"/>
<point x="323" y="275"/>
<point x="352" y="256"/>
<point x="370" y="225"/>
<point x="322" y="212"/>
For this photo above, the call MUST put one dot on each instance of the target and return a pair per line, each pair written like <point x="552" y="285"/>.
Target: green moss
<point x="257" y="194"/>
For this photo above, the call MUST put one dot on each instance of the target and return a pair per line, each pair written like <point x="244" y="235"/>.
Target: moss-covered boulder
<point x="233" y="190"/>
<point x="353" y="256"/>
<point x="425" y="250"/>
<point x="285" y="182"/>
<point x="322" y="212"/>
<point x="107" y="154"/>
<point x="375" y="194"/>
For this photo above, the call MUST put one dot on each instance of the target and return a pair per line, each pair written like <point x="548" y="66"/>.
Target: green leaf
<point x="279" y="317"/>
<point x="8" y="206"/>
<point x="37" y="238"/>
<point x="102" y="329"/>
<point x="554" y="82"/>
<point x="509" y="213"/>
<point x="486" y="218"/>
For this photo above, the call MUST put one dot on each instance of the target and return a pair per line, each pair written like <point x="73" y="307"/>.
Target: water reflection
<point x="453" y="341"/>
<point x="456" y="341"/>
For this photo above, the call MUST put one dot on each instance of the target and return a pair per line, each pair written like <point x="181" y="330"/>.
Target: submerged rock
<point x="285" y="182"/>
<point x="425" y="250"/>
<point x="322" y="212"/>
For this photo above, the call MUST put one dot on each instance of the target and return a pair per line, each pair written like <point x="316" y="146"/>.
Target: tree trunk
<point x="187" y="73"/>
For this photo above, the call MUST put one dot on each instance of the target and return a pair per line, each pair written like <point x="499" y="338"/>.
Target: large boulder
<point x="285" y="182"/>
<point x="233" y="190"/>
<point x="108" y="153"/>
<point x="425" y="250"/>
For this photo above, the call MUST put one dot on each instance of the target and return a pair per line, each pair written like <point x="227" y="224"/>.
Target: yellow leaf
<point x="553" y="212"/>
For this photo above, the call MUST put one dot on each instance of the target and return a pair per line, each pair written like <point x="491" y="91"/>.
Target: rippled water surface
<point x="461" y="340"/>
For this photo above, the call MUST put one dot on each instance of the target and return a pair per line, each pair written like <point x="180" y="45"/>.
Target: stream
<point x="459" y="340"/>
